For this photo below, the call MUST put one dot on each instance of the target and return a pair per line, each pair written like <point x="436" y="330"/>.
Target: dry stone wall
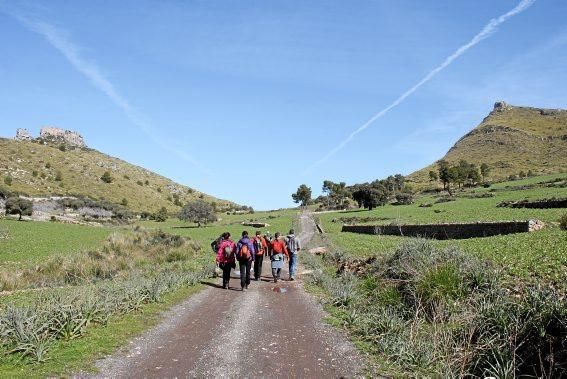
<point x="448" y="231"/>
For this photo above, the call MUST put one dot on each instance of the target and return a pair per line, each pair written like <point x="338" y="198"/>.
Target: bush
<point x="563" y="222"/>
<point x="8" y="180"/>
<point x="106" y="177"/>
<point x="161" y="215"/>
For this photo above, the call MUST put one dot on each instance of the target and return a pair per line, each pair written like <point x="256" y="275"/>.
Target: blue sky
<point x="243" y="99"/>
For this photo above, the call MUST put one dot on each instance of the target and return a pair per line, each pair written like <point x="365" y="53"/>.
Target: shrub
<point x="140" y="183"/>
<point x="161" y="215"/>
<point x="63" y="147"/>
<point x="124" y="202"/>
<point x="59" y="176"/>
<point x="106" y="177"/>
<point x="8" y="180"/>
<point x="34" y="173"/>
<point x="563" y="222"/>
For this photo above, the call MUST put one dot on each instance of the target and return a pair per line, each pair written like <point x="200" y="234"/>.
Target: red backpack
<point x="244" y="253"/>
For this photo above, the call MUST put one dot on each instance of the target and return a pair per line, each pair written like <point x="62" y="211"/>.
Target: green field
<point x="280" y="221"/>
<point x="26" y="241"/>
<point x="529" y="256"/>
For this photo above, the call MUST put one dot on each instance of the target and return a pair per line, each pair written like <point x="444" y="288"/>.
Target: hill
<point x="59" y="163"/>
<point x="512" y="139"/>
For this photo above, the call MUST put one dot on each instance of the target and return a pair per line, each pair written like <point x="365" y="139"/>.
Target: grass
<point x="529" y="257"/>
<point x="81" y="172"/>
<point x="28" y="241"/>
<point x="68" y="357"/>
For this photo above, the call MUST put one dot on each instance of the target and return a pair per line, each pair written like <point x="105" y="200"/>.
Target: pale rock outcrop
<point x="23" y="135"/>
<point x="67" y="136"/>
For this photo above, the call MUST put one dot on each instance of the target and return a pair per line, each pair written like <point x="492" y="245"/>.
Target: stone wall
<point x="539" y="204"/>
<point x="448" y="231"/>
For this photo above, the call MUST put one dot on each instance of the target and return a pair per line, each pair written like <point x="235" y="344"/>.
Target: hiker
<point x="278" y="253"/>
<point x="261" y="247"/>
<point x="245" y="254"/>
<point x="293" y="246"/>
<point x="225" y="258"/>
<point x="216" y="243"/>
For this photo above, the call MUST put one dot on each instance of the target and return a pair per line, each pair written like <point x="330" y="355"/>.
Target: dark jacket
<point x="250" y="244"/>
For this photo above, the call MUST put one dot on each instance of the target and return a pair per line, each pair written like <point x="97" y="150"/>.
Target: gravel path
<point x="271" y="330"/>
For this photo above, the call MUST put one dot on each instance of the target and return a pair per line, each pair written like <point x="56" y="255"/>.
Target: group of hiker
<point x="249" y="252"/>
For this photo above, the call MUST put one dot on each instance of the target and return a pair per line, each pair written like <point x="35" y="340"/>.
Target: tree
<point x="303" y="195"/>
<point x="199" y="212"/>
<point x="484" y="171"/>
<point x="106" y="177"/>
<point x="59" y="176"/>
<point x="522" y="174"/>
<point x="433" y="177"/>
<point x="370" y="197"/>
<point x="124" y="202"/>
<point x="443" y="167"/>
<point x="19" y="206"/>
<point x="8" y="180"/>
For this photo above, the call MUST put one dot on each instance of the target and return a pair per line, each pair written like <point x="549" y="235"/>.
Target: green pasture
<point x="279" y="221"/>
<point x="28" y="241"/>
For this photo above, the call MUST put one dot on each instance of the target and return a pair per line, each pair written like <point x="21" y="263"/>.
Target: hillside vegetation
<point x="36" y="169"/>
<point x="512" y="139"/>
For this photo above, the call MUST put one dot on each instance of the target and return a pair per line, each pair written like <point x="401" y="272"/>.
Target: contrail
<point x="488" y="29"/>
<point x="59" y="40"/>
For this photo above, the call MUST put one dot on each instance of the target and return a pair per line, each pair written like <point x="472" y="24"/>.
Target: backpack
<point x="258" y="246"/>
<point x="244" y="252"/>
<point x="227" y="251"/>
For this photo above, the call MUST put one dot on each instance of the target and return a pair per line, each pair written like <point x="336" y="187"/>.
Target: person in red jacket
<point x="261" y="250"/>
<point x="225" y="258"/>
<point x="278" y="253"/>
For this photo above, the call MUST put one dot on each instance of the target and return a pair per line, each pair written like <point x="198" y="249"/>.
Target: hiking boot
<point x="292" y="279"/>
<point x="275" y="280"/>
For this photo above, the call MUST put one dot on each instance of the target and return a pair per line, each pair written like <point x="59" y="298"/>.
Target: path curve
<point x="228" y="333"/>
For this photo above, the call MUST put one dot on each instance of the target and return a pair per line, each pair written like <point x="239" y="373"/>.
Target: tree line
<point x="365" y="195"/>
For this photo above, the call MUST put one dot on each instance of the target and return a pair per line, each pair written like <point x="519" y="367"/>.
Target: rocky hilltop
<point x="512" y="139"/>
<point x="52" y="134"/>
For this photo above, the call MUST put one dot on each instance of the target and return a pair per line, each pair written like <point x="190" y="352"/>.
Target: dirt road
<point x="272" y="330"/>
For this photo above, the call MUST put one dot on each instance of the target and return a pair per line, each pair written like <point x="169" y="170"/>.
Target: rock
<point x="318" y="250"/>
<point x="23" y="135"/>
<point x="66" y="136"/>
<point x="500" y="106"/>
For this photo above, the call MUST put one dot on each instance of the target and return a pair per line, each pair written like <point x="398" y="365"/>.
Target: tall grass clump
<point x="441" y="312"/>
<point x="31" y="331"/>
